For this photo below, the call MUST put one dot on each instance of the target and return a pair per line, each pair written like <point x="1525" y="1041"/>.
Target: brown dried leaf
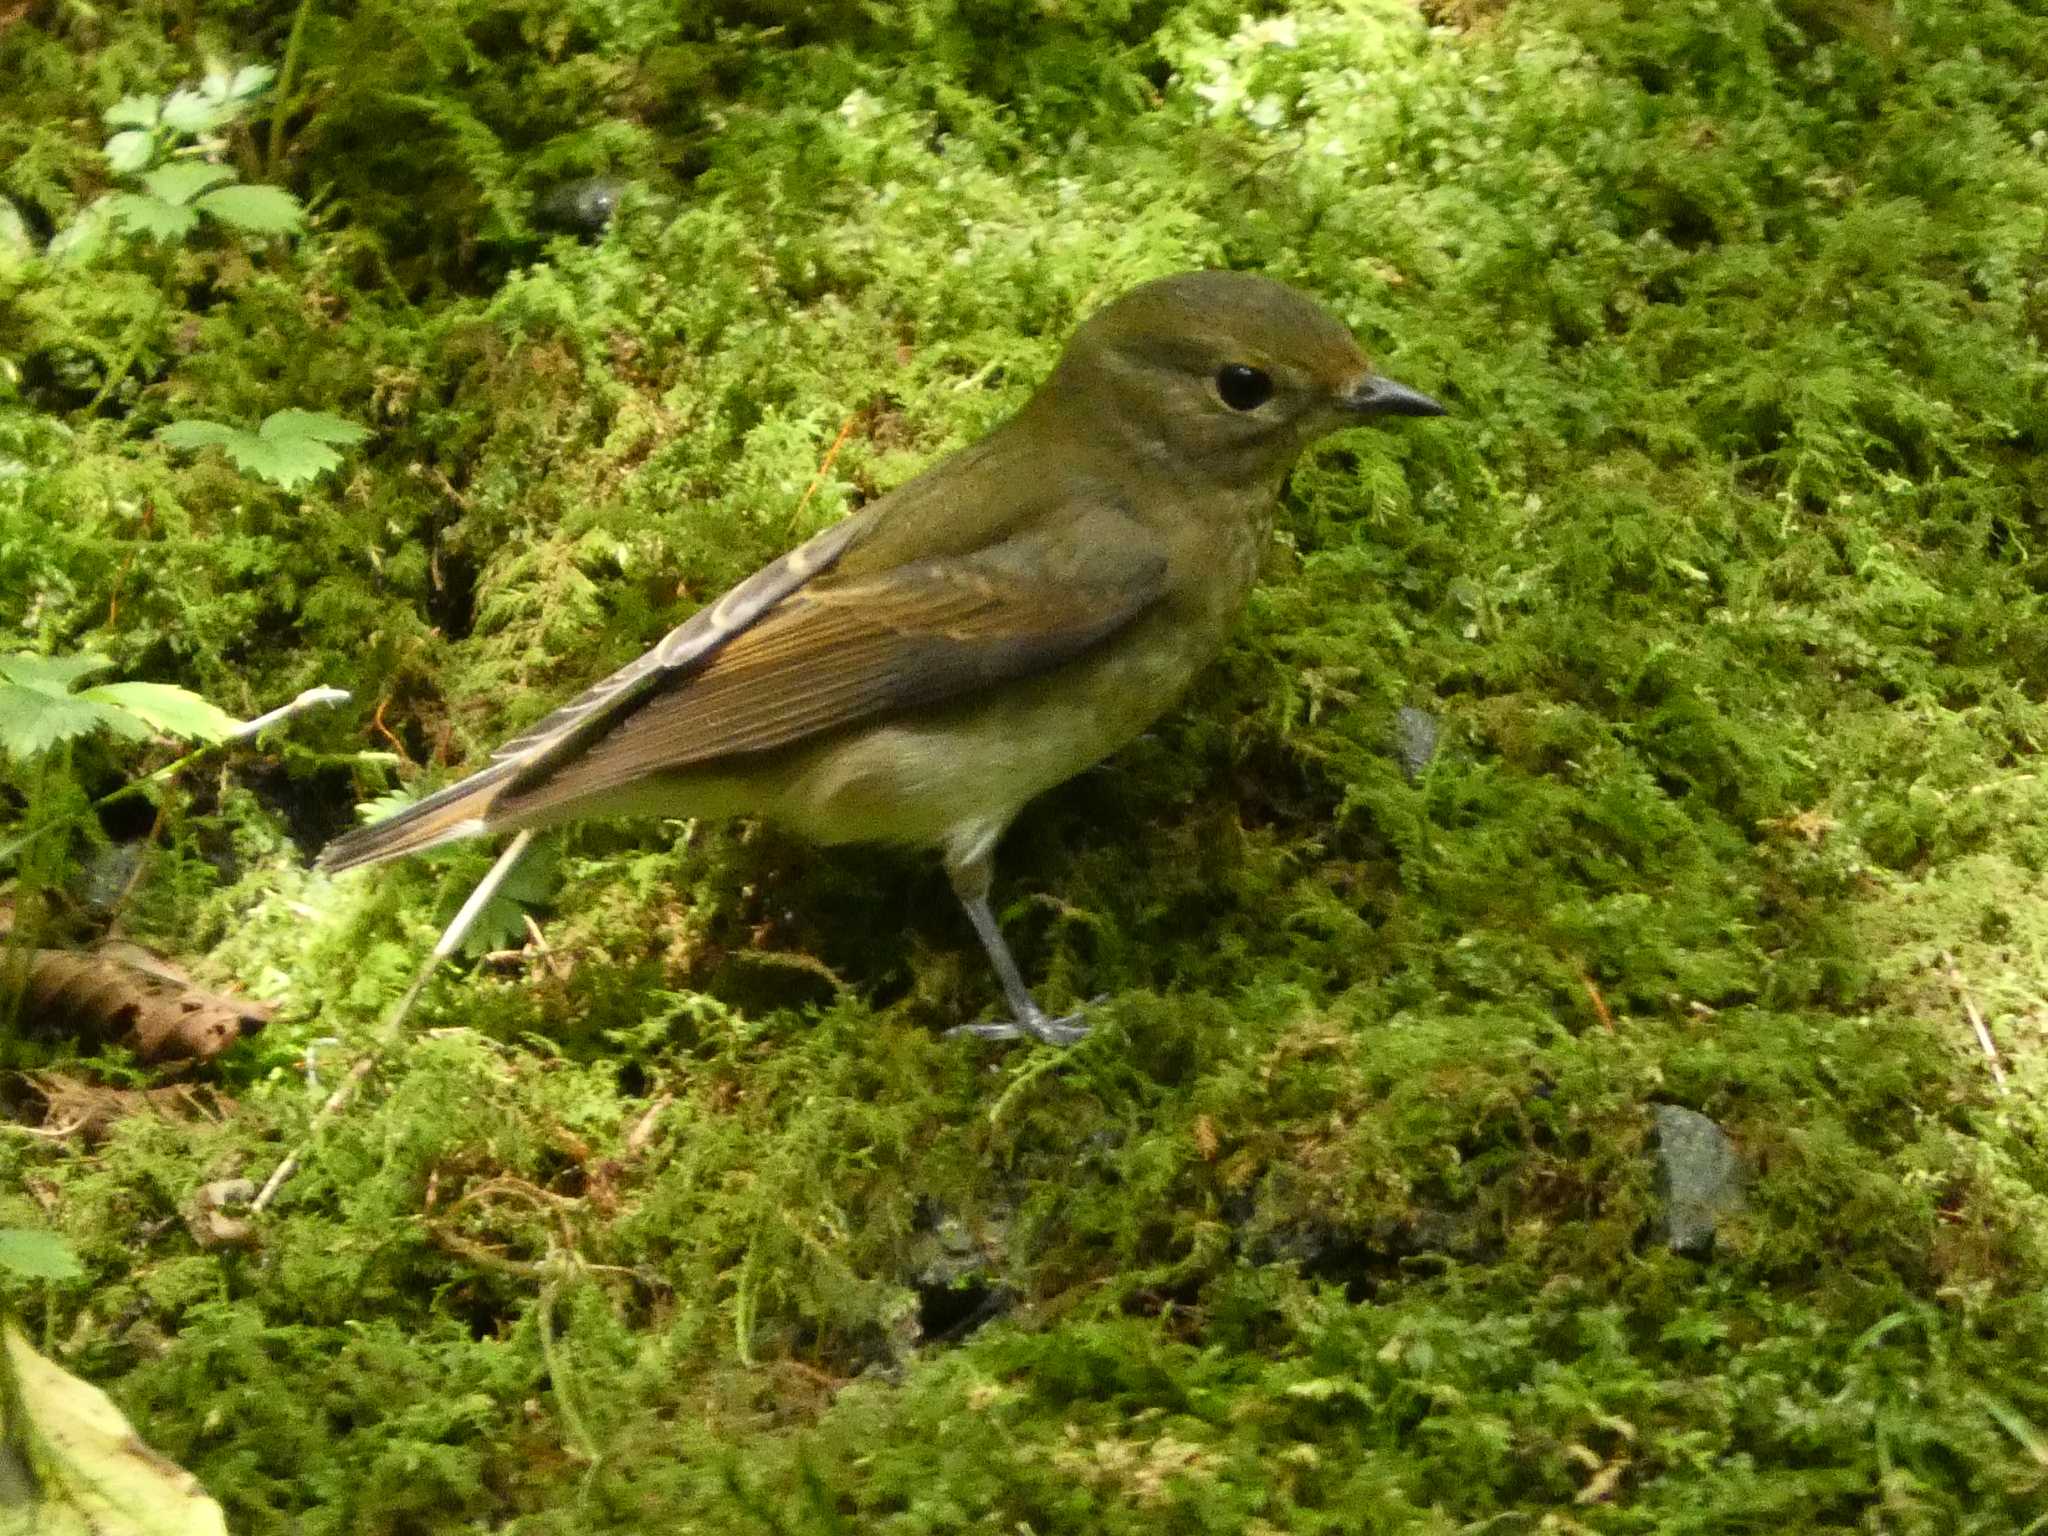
<point x="122" y="994"/>
<point x="72" y="1107"/>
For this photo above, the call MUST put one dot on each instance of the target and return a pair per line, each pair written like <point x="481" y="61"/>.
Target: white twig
<point x="1955" y="979"/>
<point x="312" y="698"/>
<point x="360" y="1068"/>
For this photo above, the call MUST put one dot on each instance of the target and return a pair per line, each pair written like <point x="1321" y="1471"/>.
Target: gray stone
<point x="584" y="206"/>
<point x="1415" y="740"/>
<point x="1699" y="1178"/>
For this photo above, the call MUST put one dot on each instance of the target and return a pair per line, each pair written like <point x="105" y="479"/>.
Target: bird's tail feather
<point x="461" y="810"/>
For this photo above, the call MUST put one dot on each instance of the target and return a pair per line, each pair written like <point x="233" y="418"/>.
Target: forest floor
<point x="675" y="1212"/>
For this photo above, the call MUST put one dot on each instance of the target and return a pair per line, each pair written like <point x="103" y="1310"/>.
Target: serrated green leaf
<point x="390" y="803"/>
<point x="32" y="721"/>
<point x="249" y="80"/>
<point x="37" y="1255"/>
<point x="288" y="450"/>
<point x="193" y="435"/>
<point x="318" y="426"/>
<point x="257" y="209"/>
<point x="85" y="236"/>
<point x="143" y="215"/>
<point x="54" y="675"/>
<point x="129" y="151"/>
<point x="194" y="113"/>
<point x="286" y="462"/>
<point x="182" y="180"/>
<point x="133" y="112"/>
<point x="164" y="707"/>
<point x="501" y="924"/>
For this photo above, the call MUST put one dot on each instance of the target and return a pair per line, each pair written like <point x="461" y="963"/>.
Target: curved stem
<point x="287" y="77"/>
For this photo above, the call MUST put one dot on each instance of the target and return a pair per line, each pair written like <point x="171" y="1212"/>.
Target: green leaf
<point x="164" y="707"/>
<point x="288" y="463"/>
<point x="37" y="1255"/>
<point x="151" y="216"/>
<point x="32" y="721"/>
<point x="294" y="445"/>
<point x="390" y="803"/>
<point x="251" y="80"/>
<point x="289" y="449"/>
<point x="85" y="236"/>
<point x="193" y="113"/>
<point x="133" y="112"/>
<point x="130" y="151"/>
<point x="38" y="709"/>
<point x="317" y="425"/>
<point x="182" y="180"/>
<point x="249" y="452"/>
<point x="258" y="209"/>
<point x="193" y="435"/>
<point x="53" y="675"/>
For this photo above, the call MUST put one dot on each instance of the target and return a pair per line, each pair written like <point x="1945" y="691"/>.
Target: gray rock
<point x="1699" y="1179"/>
<point x="584" y="206"/>
<point x="1415" y="740"/>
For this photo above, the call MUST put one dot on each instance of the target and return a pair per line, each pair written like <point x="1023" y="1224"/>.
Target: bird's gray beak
<point x="1377" y="396"/>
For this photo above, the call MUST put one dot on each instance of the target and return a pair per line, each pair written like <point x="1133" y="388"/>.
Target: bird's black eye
<point x="1243" y="387"/>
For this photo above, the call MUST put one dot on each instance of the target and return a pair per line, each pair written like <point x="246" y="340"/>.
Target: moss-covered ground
<point x="1724" y="581"/>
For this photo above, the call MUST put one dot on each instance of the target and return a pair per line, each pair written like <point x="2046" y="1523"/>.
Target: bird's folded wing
<point x="840" y="652"/>
<point x="681" y="650"/>
<point x="464" y="807"/>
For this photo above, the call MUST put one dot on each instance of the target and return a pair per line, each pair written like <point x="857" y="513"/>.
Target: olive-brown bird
<point x="1016" y="613"/>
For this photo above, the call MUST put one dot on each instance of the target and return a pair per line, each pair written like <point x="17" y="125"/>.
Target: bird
<point x="920" y="670"/>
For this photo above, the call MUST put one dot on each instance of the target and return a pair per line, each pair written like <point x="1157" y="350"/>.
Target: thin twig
<point x="825" y="467"/>
<point x="1606" y="1014"/>
<point x="1955" y="979"/>
<point x="643" y="1128"/>
<point x="312" y="698"/>
<point x="287" y="78"/>
<point x="377" y="724"/>
<point x="387" y="1031"/>
<point x="141" y="868"/>
<point x="581" y="1441"/>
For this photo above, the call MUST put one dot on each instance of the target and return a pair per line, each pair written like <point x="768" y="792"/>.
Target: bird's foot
<point x="1062" y="1031"/>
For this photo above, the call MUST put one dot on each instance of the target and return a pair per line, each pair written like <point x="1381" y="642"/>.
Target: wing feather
<point x="839" y="653"/>
<point x="471" y="805"/>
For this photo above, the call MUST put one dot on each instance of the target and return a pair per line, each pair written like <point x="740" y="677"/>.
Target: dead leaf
<point x="73" y="1107"/>
<point x="122" y="994"/>
<point x="91" y="1473"/>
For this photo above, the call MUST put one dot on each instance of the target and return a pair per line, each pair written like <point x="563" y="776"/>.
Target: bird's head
<point x="1230" y="373"/>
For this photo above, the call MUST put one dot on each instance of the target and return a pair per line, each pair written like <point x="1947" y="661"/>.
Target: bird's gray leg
<point x="971" y="882"/>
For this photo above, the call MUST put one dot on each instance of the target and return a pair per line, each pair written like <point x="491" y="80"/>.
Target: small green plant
<point x="39" y="711"/>
<point x="30" y="1253"/>
<point x="169" y="149"/>
<point x="289" y="449"/>
<point x="41" y="717"/>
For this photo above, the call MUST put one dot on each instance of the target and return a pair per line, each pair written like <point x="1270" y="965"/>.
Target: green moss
<point x="1721" y="582"/>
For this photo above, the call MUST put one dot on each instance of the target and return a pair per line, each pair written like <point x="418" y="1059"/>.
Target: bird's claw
<point x="1063" y="1031"/>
